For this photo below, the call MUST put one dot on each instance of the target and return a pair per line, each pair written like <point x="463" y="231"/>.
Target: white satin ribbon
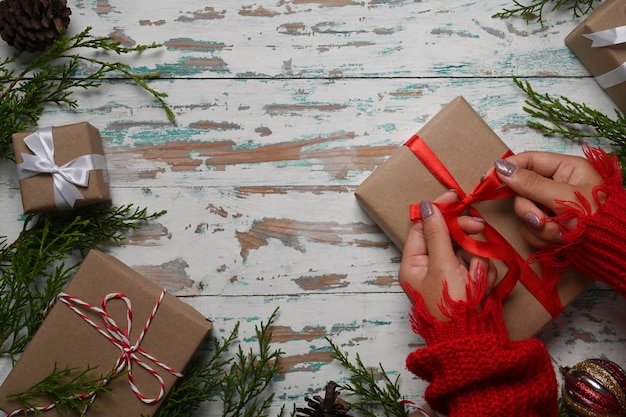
<point x="609" y="37"/>
<point x="613" y="77"/>
<point x="65" y="178"/>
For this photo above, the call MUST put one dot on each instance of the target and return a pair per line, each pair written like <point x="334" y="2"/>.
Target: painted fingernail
<point x="480" y="277"/>
<point x="485" y="174"/>
<point x="480" y="273"/>
<point x="426" y="209"/>
<point x="532" y="220"/>
<point x="505" y="167"/>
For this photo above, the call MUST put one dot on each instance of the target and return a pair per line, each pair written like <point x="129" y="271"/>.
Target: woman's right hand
<point x="541" y="180"/>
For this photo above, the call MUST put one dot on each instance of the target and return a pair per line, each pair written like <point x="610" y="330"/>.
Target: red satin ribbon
<point x="495" y="246"/>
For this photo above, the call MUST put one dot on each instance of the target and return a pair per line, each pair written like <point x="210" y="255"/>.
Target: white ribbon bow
<point x="65" y="178"/>
<point x="609" y="37"/>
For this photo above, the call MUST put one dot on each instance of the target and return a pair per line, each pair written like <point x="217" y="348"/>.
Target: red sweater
<point x="474" y="369"/>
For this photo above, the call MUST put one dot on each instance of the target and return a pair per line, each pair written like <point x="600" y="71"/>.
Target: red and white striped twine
<point x="120" y="339"/>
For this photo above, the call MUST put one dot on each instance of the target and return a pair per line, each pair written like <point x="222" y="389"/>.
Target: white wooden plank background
<point x="283" y="109"/>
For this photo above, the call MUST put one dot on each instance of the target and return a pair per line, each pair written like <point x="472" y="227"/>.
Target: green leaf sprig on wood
<point x="535" y="8"/>
<point x="374" y="391"/>
<point x="575" y="121"/>
<point x="66" y="388"/>
<point x="52" y="76"/>
<point x="240" y="382"/>
<point x="41" y="261"/>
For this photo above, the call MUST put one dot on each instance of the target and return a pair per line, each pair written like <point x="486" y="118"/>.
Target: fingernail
<point x="480" y="273"/>
<point x="532" y="220"/>
<point x="480" y="276"/>
<point x="485" y="175"/>
<point x="478" y="219"/>
<point x="505" y="167"/>
<point x="426" y="209"/>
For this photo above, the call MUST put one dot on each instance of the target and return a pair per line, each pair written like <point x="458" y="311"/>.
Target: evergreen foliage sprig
<point x="52" y="77"/>
<point x="239" y="382"/>
<point x="40" y="262"/>
<point x="373" y="389"/>
<point x="67" y="389"/>
<point x="242" y="387"/>
<point x="535" y="9"/>
<point x="575" y="121"/>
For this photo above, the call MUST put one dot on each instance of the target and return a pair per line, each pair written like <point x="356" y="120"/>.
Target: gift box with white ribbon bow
<point x="60" y="168"/>
<point x="600" y="44"/>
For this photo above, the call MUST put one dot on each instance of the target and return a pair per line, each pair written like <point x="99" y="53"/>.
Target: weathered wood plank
<point x="300" y="132"/>
<point x="322" y="39"/>
<point x="283" y="109"/>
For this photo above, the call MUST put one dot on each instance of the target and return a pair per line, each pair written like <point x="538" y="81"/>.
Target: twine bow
<point x="120" y="338"/>
<point x="495" y="246"/>
<point x="609" y="37"/>
<point x="66" y="177"/>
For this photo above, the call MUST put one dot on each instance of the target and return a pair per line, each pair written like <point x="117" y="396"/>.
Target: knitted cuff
<point x="466" y="318"/>
<point x="596" y="247"/>
<point x="601" y="251"/>
<point x="487" y="376"/>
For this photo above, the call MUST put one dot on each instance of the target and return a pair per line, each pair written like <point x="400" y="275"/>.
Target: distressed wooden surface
<point x="283" y="108"/>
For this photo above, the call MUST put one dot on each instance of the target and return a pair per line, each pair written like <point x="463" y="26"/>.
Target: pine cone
<point x="33" y="25"/>
<point x="329" y="406"/>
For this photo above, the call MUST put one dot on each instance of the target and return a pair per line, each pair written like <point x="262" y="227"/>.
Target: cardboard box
<point x="468" y="148"/>
<point x="600" y="60"/>
<point x="64" y="338"/>
<point x="70" y="142"/>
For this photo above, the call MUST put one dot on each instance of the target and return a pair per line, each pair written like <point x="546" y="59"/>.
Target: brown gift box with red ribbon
<point x="605" y="61"/>
<point x="65" y="339"/>
<point x="467" y="147"/>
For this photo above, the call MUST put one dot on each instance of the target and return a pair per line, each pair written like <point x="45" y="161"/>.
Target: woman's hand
<point x="429" y="258"/>
<point x="541" y="179"/>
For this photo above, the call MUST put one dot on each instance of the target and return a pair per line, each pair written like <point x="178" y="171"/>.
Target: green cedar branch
<point x="240" y="380"/>
<point x="365" y="384"/>
<point x="41" y="261"/>
<point x="69" y="390"/>
<point x="575" y="121"/>
<point x="54" y="75"/>
<point x="535" y="9"/>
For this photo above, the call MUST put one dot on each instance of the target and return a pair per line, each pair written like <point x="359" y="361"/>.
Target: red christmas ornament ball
<point x="595" y="388"/>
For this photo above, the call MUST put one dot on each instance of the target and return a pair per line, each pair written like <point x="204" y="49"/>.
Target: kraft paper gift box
<point x="66" y="339"/>
<point x="468" y="147"/>
<point x="600" y="44"/>
<point x="77" y="151"/>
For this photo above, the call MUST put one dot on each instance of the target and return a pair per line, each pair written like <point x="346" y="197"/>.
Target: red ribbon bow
<point x="495" y="246"/>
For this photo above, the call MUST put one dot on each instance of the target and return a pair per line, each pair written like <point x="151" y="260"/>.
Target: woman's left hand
<point x="429" y="258"/>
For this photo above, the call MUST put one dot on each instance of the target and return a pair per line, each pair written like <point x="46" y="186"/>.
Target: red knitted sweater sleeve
<point x="474" y="369"/>
<point x="597" y="245"/>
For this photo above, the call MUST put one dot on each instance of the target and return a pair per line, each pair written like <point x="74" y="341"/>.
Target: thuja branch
<point x="535" y="9"/>
<point x="66" y="388"/>
<point x="574" y="121"/>
<point x="250" y="375"/>
<point x="374" y="389"/>
<point x="53" y="76"/>
<point x="239" y="381"/>
<point x="40" y="262"/>
<point x="201" y="380"/>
